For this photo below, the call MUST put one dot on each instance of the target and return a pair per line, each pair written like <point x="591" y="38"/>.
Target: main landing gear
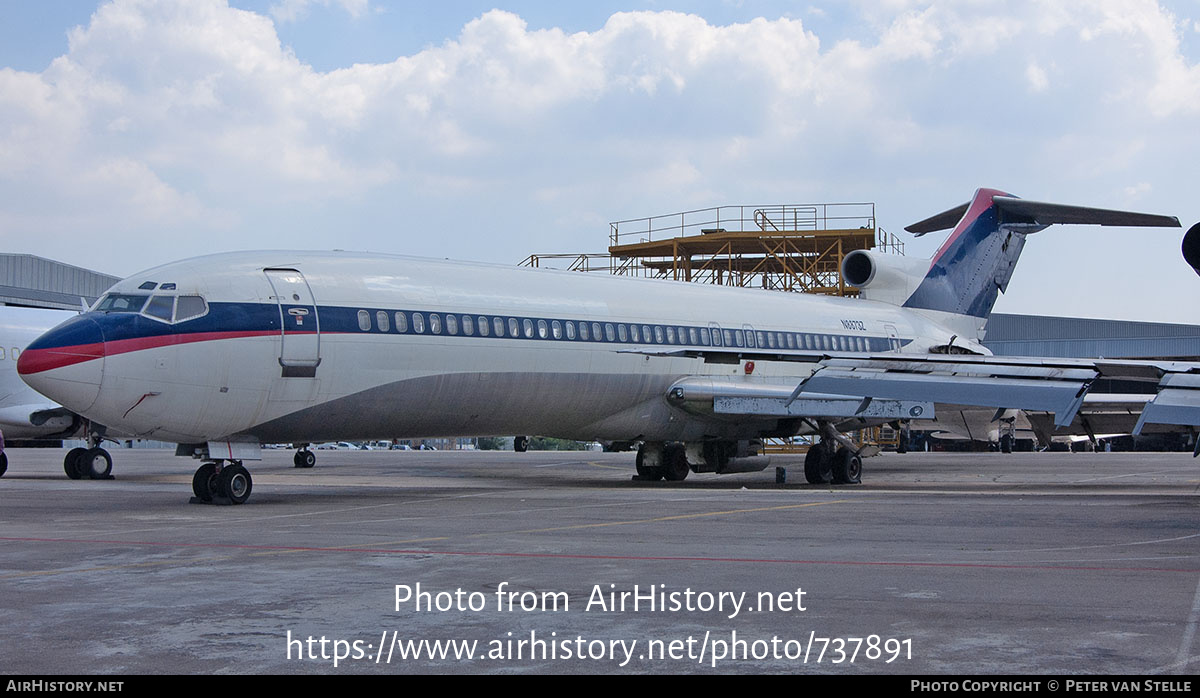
<point x="672" y="461"/>
<point x="823" y="464"/>
<point x="92" y="462"/>
<point x="834" y="458"/>
<point x="304" y="458"/>
<point x="222" y="482"/>
<point x="657" y="461"/>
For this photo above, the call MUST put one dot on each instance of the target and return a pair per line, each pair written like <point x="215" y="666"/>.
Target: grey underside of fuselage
<point x="566" y="405"/>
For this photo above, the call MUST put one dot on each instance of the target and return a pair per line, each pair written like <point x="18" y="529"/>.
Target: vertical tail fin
<point x="976" y="261"/>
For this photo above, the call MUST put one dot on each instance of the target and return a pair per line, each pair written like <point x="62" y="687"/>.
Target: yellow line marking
<point x="110" y="568"/>
<point x="677" y="517"/>
<point x="608" y="467"/>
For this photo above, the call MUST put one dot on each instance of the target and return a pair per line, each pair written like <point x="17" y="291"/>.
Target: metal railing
<point x="888" y="243"/>
<point x="767" y="219"/>
<point x="588" y="262"/>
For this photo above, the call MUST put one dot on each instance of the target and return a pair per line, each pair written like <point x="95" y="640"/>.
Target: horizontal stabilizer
<point x="942" y="221"/>
<point x="1044" y="213"/>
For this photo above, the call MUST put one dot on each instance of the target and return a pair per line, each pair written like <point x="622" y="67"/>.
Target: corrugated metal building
<point x="36" y="282"/>
<point x="1033" y="335"/>
<point x="1068" y="337"/>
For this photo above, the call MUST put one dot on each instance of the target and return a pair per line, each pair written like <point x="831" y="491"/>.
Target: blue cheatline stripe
<point x="232" y="318"/>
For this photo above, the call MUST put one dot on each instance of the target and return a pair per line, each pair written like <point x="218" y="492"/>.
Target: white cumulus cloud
<point x="190" y="127"/>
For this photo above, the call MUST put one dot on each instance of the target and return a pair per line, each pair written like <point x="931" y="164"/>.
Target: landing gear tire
<point x="647" y="473"/>
<point x="235" y="483"/>
<point x="3" y="464"/>
<point x="520" y="444"/>
<point x="818" y="466"/>
<point x="204" y="482"/>
<point x="304" y="459"/>
<point x="73" y="462"/>
<point x="847" y="467"/>
<point x="94" y="463"/>
<point x="1006" y="443"/>
<point x="675" y="465"/>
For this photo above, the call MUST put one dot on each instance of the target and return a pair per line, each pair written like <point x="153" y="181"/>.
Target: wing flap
<point x="833" y="407"/>
<point x="1177" y="402"/>
<point x="760" y="399"/>
<point x="1049" y="393"/>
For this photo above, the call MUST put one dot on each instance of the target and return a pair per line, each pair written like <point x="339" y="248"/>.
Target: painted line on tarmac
<point x="1153" y="541"/>
<point x="577" y="556"/>
<point x="1189" y="631"/>
<point x="676" y="517"/>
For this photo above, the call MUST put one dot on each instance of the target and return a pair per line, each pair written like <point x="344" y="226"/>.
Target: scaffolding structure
<point x="791" y="247"/>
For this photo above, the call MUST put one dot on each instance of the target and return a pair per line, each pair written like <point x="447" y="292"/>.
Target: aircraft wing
<point x="910" y="385"/>
<point x="38" y="421"/>
<point x="1057" y="386"/>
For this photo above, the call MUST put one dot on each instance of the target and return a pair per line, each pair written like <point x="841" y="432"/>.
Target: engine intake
<point x="887" y="278"/>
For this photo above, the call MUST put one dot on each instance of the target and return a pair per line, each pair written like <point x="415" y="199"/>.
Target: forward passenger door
<point x="300" y="325"/>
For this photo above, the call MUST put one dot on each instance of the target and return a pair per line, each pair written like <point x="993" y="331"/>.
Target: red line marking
<point x="581" y="556"/>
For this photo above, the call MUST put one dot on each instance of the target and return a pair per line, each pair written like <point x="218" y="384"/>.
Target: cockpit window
<point x="166" y="308"/>
<point x="160" y="307"/>
<point x="189" y="307"/>
<point x="121" y="303"/>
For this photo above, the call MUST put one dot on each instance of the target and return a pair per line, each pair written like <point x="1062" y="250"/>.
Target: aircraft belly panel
<point x="466" y="404"/>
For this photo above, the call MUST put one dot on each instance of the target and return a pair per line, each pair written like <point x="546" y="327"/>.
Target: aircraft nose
<point x="66" y="364"/>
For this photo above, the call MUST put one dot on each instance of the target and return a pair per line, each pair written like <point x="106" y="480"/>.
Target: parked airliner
<point x="26" y="415"/>
<point x="224" y="352"/>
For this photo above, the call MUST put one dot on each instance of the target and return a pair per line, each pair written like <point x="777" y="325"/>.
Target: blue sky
<point x="137" y="132"/>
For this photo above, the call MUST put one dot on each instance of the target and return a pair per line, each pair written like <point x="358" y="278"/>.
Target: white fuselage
<point x="219" y="375"/>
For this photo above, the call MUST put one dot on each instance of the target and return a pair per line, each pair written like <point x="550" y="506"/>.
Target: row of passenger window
<point x="485" y="326"/>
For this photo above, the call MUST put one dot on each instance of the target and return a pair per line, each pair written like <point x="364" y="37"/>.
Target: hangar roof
<point x="1033" y="335"/>
<point x="34" y="281"/>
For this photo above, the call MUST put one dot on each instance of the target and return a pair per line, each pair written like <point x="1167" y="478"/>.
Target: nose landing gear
<point x="92" y="462"/>
<point x="304" y="458"/>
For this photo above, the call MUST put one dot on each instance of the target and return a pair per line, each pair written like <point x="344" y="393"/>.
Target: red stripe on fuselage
<point x="38" y="360"/>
